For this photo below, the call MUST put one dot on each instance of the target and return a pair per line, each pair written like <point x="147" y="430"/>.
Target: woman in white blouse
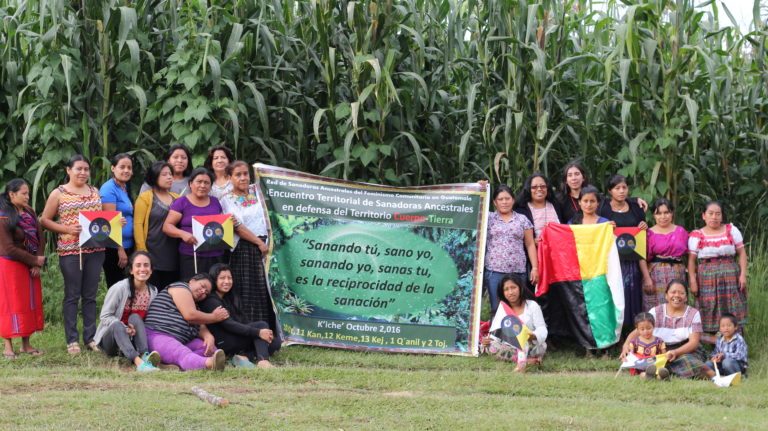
<point x="250" y="291"/>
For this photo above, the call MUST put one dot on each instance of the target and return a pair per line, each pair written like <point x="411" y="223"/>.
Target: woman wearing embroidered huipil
<point x="67" y="201"/>
<point x="152" y="208"/>
<point x="720" y="282"/>
<point x="667" y="250"/>
<point x="21" y="257"/>
<point x="250" y="285"/>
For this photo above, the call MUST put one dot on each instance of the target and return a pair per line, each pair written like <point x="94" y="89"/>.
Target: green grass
<point x="318" y="389"/>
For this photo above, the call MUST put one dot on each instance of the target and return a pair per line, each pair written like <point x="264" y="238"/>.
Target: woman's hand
<point x="642" y="204"/>
<point x="483" y="183"/>
<point x="694" y="286"/>
<point x="612" y="223"/>
<point x="534" y="275"/>
<point x="263" y="248"/>
<point x="532" y="336"/>
<point x="122" y="257"/>
<point x="123" y="221"/>
<point x="671" y="355"/>
<point x="74" y="229"/>
<point x="743" y="282"/>
<point x="209" y="343"/>
<point x="130" y="329"/>
<point x="537" y="240"/>
<point x="220" y="313"/>
<point x="485" y="341"/>
<point x="34" y="272"/>
<point x="266" y="335"/>
<point x="189" y="238"/>
<point x="643" y="225"/>
<point x="40" y="261"/>
<point x="648" y="288"/>
<point x="717" y="358"/>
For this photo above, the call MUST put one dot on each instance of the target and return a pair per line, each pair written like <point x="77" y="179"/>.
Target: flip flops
<point x="11" y="355"/>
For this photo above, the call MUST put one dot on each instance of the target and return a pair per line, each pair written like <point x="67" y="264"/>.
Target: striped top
<point x="719" y="245"/>
<point x="70" y="205"/>
<point x="163" y="316"/>
<point x="675" y="329"/>
<point x="543" y="217"/>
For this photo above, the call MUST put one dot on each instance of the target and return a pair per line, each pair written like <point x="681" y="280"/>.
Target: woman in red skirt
<point x="21" y="258"/>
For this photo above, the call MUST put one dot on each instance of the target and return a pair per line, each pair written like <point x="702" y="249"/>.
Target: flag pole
<point x="81" y="259"/>
<point x="195" y="254"/>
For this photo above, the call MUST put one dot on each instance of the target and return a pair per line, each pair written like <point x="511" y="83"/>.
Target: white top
<point x="675" y="329"/>
<point x="247" y="210"/>
<point x="719" y="245"/>
<point x="534" y="320"/>
<point x="218" y="191"/>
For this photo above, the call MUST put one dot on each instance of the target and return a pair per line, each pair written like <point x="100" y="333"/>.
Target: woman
<point x="511" y="290"/>
<point x="237" y="335"/>
<point x="719" y="282"/>
<point x="152" y="208"/>
<point x="680" y="327"/>
<point x="178" y="224"/>
<point x="80" y="267"/>
<point x="667" y="249"/>
<point x="589" y="201"/>
<point x="219" y="158"/>
<point x="510" y="238"/>
<point x="537" y="203"/>
<point x="176" y="328"/>
<point x="121" y="329"/>
<point x="21" y="258"/>
<point x="250" y="292"/>
<point x="574" y="179"/>
<point x="180" y="159"/>
<point x="115" y="197"/>
<point x="625" y="213"/>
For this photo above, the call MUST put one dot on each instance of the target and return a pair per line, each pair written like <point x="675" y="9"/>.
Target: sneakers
<point x="663" y="373"/>
<point x="241" y="362"/>
<point x="146" y="367"/>
<point x="93" y="346"/>
<point x="152" y="357"/>
<point x="650" y="372"/>
<point x="219" y="358"/>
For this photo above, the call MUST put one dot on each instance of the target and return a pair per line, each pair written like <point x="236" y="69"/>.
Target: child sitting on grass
<point x="646" y="345"/>
<point x="730" y="354"/>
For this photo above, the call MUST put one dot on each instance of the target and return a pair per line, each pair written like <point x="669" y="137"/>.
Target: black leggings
<point x="253" y="348"/>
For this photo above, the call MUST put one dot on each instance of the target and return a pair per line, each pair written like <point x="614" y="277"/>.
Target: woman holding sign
<point x="114" y="197"/>
<point x="179" y="222"/>
<point x="250" y="285"/>
<point x="80" y="267"/>
<point x="22" y="250"/>
<point x="626" y="213"/>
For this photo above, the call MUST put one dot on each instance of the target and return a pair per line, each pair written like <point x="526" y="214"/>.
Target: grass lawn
<point x="324" y="389"/>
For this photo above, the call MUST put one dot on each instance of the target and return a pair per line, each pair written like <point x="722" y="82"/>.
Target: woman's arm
<point x="692" y="274"/>
<point x="170" y="228"/>
<point x="140" y="210"/>
<point x="530" y="246"/>
<point x="185" y="303"/>
<point x="111" y="305"/>
<point x="690" y="346"/>
<point x="540" y="333"/>
<point x="742" y="254"/>
<point x="49" y="212"/>
<point x="626" y="348"/>
<point x="648" y="288"/>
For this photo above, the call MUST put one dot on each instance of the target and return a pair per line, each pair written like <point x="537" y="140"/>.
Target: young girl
<point x="589" y="200"/>
<point x="646" y="345"/>
<point x="511" y="290"/>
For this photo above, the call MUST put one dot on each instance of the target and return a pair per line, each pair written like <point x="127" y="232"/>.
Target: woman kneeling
<point x="176" y="328"/>
<point x="236" y="335"/>
<point x="121" y="326"/>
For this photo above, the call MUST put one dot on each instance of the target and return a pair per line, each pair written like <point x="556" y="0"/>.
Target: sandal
<point x="73" y="348"/>
<point x="33" y="352"/>
<point x="10" y="355"/>
<point x="93" y="346"/>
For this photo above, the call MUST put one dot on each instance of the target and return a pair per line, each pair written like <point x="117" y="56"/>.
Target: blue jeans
<point x="491" y="280"/>
<point x="727" y="366"/>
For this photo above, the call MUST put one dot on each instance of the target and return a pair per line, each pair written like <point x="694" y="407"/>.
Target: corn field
<point x="671" y="93"/>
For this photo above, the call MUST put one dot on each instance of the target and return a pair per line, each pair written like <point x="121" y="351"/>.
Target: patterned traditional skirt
<point x="719" y="293"/>
<point x="506" y="352"/>
<point x="688" y="365"/>
<point x="21" y="300"/>
<point x="250" y="284"/>
<point x="661" y="274"/>
<point x="633" y="291"/>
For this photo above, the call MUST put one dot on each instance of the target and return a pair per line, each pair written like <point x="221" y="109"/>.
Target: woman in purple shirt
<point x="667" y="250"/>
<point x="178" y="224"/>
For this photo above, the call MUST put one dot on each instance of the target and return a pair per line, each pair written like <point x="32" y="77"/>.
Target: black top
<point x="631" y="218"/>
<point x="229" y="325"/>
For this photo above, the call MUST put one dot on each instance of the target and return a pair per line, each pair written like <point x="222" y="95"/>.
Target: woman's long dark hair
<point x="115" y="160"/>
<point x="519" y="282"/>
<point x="578" y="218"/>
<point x="131" y="281"/>
<point x="231" y="302"/>
<point x="184" y="148"/>
<point x="7" y="206"/>
<point x="525" y="194"/>
<point x="564" y="188"/>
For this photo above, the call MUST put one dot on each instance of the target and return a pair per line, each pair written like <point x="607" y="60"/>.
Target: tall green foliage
<point x="401" y="92"/>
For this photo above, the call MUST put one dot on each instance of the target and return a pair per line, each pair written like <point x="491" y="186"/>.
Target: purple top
<point x="672" y="245"/>
<point x="505" y="246"/>
<point x="184" y="206"/>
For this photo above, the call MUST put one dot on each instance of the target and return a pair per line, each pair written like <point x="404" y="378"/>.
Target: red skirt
<point x="21" y="300"/>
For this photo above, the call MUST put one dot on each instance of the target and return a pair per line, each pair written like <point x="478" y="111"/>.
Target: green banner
<point x="364" y="266"/>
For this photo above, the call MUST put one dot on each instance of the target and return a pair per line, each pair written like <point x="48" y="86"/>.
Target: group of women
<point x="156" y="252"/>
<point x="712" y="259"/>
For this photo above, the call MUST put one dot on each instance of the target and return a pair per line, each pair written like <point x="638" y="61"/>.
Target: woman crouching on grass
<point x="176" y="328"/>
<point x="121" y="329"/>
<point x="511" y="291"/>
<point x="235" y="335"/>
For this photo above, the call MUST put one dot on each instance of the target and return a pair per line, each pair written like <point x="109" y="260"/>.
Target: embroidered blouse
<point x="247" y="210"/>
<point x="718" y="245"/>
<point x="675" y="329"/>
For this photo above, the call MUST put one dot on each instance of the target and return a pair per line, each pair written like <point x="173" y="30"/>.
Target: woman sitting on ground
<point x="512" y="291"/>
<point x="679" y="326"/>
<point x="121" y="328"/>
<point x="176" y="328"/>
<point x="235" y="335"/>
